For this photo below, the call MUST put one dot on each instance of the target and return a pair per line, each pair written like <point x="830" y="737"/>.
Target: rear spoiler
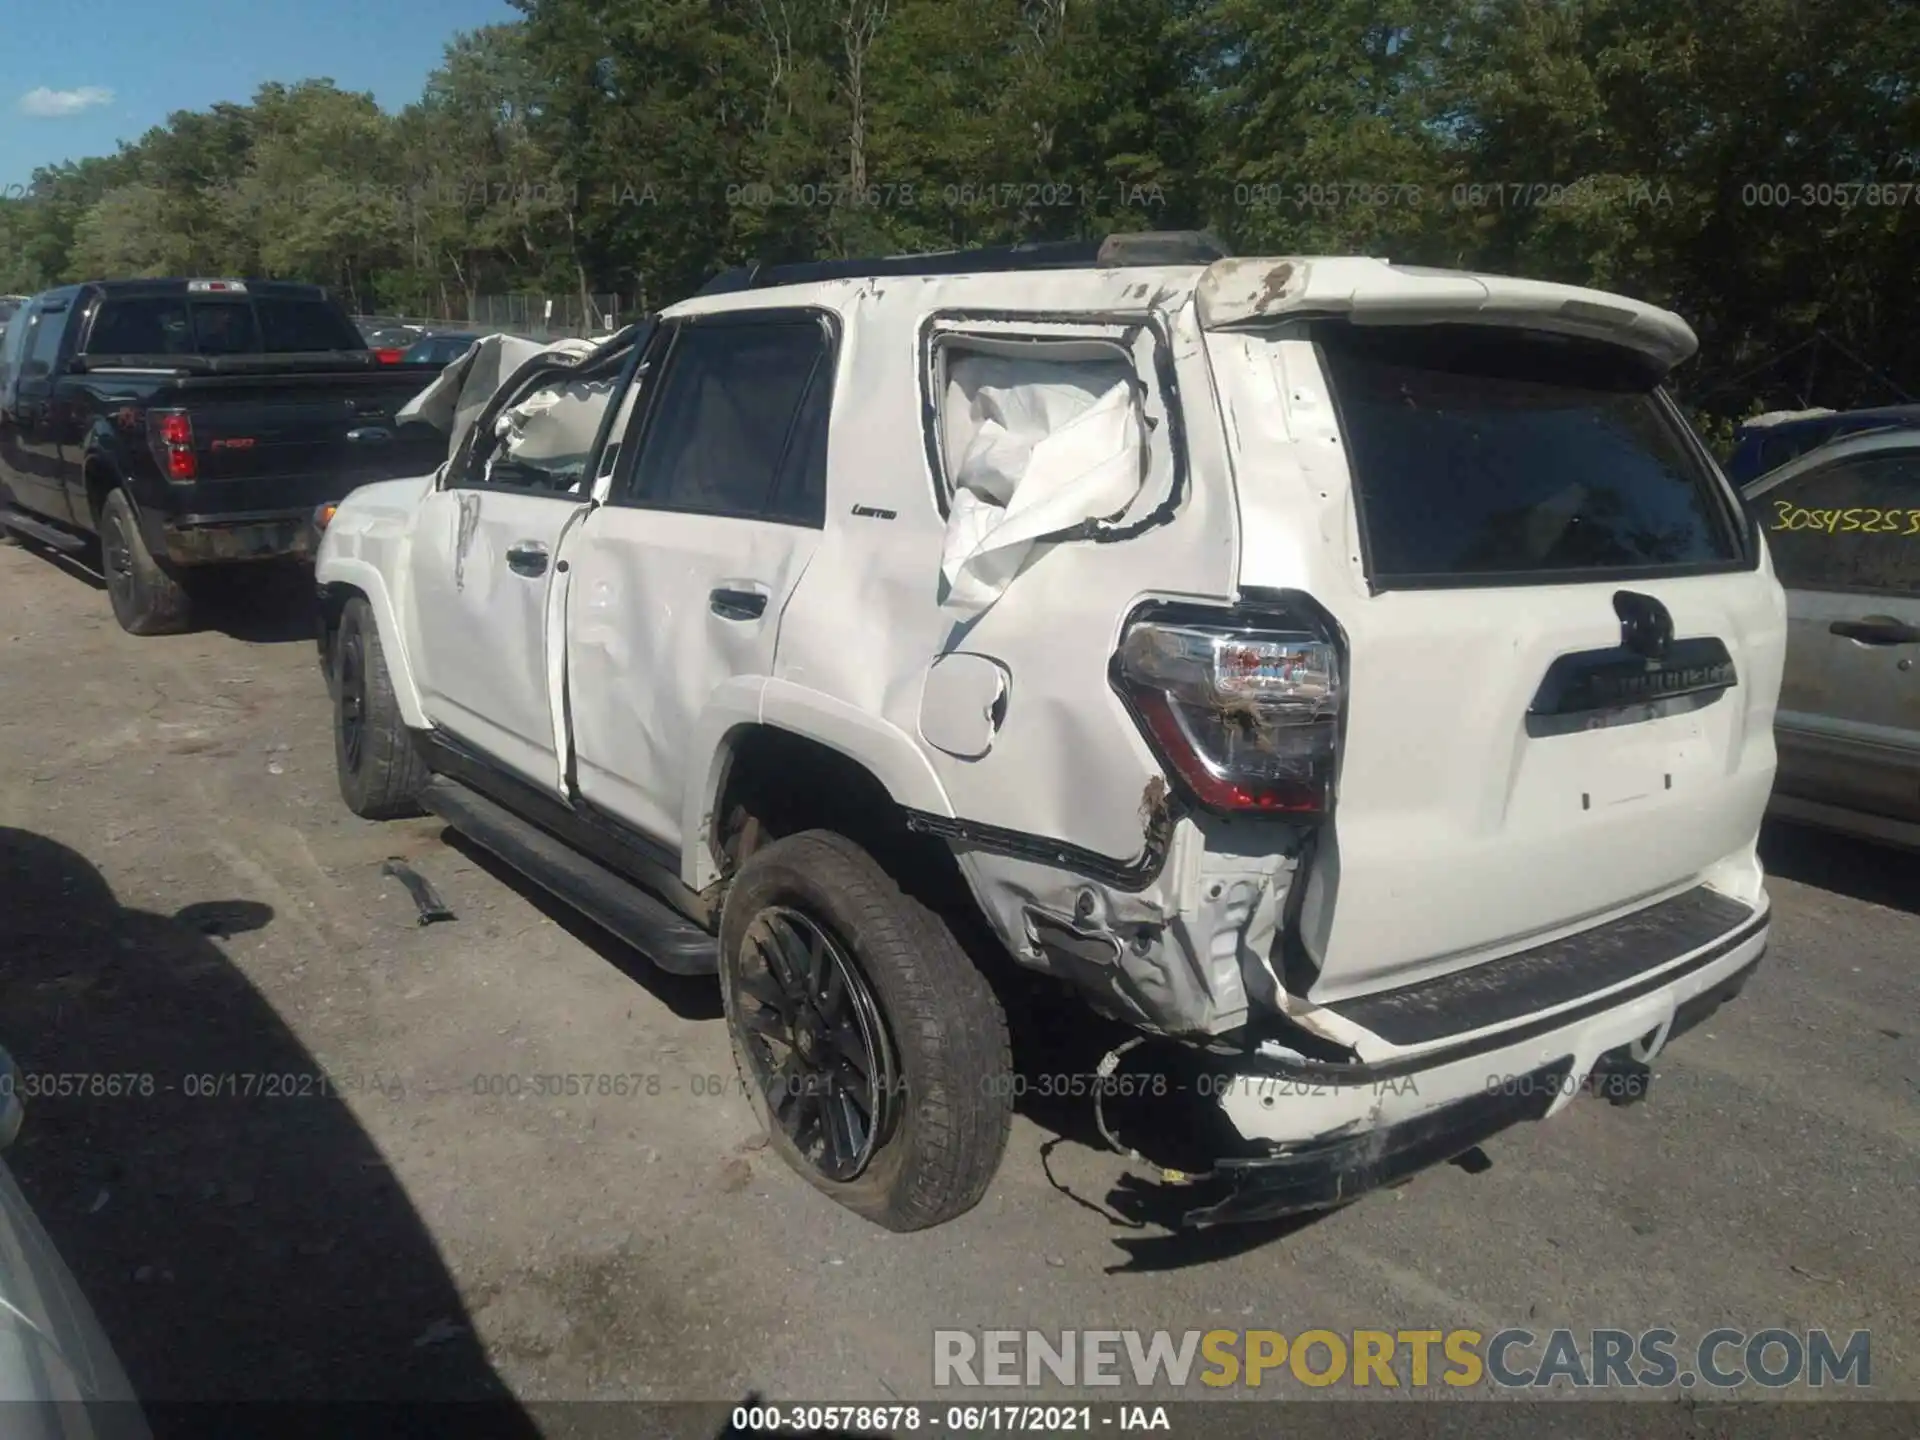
<point x="1246" y="292"/>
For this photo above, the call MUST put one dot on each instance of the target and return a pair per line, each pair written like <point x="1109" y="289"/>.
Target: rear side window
<point x="11" y="348"/>
<point x="43" y="346"/>
<point x="726" y="418"/>
<point x="1850" y="525"/>
<point x="1487" y="456"/>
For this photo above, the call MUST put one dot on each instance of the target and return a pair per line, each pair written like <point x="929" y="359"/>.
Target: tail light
<point x="387" y="355"/>
<point x="171" y="434"/>
<point x="1244" y="707"/>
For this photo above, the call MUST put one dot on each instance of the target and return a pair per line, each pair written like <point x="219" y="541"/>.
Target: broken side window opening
<point x="546" y="440"/>
<point x="1036" y="439"/>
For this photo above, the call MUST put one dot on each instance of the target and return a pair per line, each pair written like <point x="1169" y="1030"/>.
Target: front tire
<point x="381" y="769"/>
<point x="147" y="597"/>
<point x="873" y="1050"/>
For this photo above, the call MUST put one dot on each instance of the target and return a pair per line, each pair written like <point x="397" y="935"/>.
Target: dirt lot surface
<point x="324" y="1195"/>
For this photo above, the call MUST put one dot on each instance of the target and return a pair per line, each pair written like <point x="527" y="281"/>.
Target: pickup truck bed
<point x="218" y="441"/>
<point x="267" y="449"/>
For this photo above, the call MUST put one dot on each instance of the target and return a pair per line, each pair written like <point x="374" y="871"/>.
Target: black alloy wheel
<point x="815" y="1043"/>
<point x="352" y="697"/>
<point x="116" y="561"/>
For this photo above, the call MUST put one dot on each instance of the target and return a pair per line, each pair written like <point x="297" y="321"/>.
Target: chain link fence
<point x="532" y="317"/>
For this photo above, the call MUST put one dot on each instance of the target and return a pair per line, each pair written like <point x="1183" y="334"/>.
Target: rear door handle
<point x="528" y="557"/>
<point x="731" y="604"/>
<point x="1877" y="630"/>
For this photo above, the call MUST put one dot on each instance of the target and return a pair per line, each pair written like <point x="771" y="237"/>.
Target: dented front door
<point x="482" y="566"/>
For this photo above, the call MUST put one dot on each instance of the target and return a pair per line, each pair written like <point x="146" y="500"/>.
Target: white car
<point x="1358" y="676"/>
<point x="59" y="1377"/>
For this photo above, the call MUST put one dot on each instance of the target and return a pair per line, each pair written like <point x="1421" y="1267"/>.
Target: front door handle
<point x="528" y="557"/>
<point x="1877" y="630"/>
<point x="730" y="604"/>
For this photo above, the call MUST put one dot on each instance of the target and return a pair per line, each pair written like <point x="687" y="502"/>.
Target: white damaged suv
<point x="1355" y="674"/>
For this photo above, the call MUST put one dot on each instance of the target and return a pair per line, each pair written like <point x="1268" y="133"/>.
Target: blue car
<point x="1767" y="442"/>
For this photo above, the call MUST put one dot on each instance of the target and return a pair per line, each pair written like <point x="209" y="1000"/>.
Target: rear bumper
<point x="249" y="535"/>
<point x="1334" y="1131"/>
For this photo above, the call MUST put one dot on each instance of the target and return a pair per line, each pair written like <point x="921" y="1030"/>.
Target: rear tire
<point x="381" y="769"/>
<point x="915" y="1010"/>
<point x="146" y="594"/>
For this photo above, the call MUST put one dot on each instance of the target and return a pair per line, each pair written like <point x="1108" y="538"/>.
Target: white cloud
<point x="47" y="104"/>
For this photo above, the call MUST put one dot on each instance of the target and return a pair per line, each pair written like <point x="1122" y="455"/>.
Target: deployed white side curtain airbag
<point x="556" y="424"/>
<point x="1052" y="445"/>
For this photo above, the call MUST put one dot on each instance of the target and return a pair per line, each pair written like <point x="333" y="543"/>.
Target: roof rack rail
<point x="1150" y="247"/>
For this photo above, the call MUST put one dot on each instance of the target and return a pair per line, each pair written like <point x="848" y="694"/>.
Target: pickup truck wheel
<point x="872" y="1049"/>
<point x="147" y="598"/>
<point x="381" y="769"/>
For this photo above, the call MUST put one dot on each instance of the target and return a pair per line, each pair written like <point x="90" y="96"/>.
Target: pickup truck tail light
<point x="1244" y="707"/>
<point x="171" y="434"/>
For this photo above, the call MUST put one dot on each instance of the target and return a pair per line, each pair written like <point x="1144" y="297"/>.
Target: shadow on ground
<point x="691" y="997"/>
<point x="239" y="1245"/>
<point x="263" y="604"/>
<point x="1156" y="1104"/>
<point x="1859" y="869"/>
<point x="1057" y="1046"/>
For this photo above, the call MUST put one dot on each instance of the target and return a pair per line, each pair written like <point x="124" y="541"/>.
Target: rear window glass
<point x="173" y="325"/>
<point x="289" y="326"/>
<point x="1484" y="455"/>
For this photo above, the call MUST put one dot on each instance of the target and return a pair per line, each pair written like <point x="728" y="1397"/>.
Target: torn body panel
<point x="1185" y="953"/>
<point x="1317" y="1136"/>
<point x="1065" y="758"/>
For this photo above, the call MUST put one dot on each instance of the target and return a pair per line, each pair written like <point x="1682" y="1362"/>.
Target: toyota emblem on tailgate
<point x="1646" y="627"/>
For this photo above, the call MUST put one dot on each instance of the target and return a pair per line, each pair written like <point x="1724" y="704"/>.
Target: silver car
<point x="1843" y="525"/>
<point x="59" y="1378"/>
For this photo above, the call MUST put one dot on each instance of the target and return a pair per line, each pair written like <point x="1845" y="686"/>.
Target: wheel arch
<point x="101" y="477"/>
<point x="346" y="579"/>
<point x="750" y="723"/>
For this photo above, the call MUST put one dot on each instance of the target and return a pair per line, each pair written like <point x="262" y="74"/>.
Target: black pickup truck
<point x="192" y="424"/>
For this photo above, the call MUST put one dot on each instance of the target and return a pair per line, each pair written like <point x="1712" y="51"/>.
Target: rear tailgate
<point x="285" y="440"/>
<point x="1495" y="512"/>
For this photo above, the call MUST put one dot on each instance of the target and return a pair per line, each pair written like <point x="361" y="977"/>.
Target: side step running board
<point x="46" y="534"/>
<point x="668" y="939"/>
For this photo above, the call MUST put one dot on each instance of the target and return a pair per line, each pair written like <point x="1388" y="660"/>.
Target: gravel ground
<point x="186" y="898"/>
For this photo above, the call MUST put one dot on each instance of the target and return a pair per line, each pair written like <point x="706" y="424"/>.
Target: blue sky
<point x="75" y="80"/>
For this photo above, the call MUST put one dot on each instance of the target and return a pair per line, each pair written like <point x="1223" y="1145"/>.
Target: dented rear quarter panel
<point x="865" y="623"/>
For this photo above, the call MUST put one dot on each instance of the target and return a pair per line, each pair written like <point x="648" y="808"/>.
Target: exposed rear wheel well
<point x="778" y="783"/>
